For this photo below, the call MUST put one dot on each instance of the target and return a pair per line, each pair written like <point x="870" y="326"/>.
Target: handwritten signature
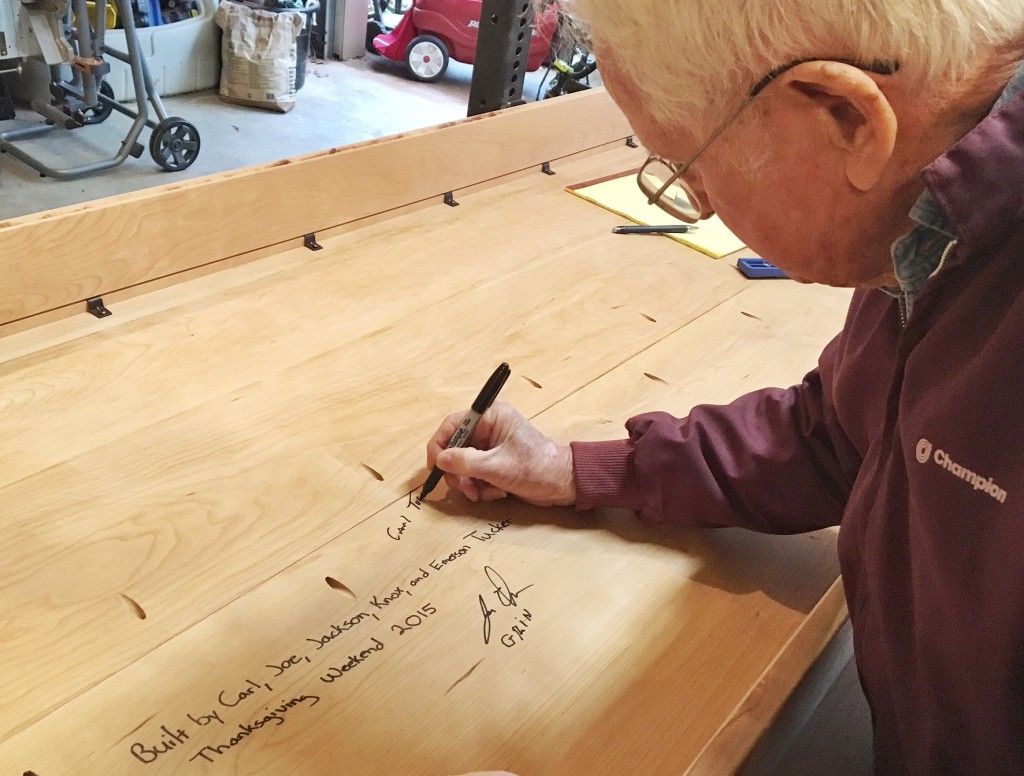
<point x="487" y="619"/>
<point x="506" y="597"/>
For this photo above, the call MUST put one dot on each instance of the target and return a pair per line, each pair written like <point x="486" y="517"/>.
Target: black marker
<point x="667" y="229"/>
<point x="462" y="434"/>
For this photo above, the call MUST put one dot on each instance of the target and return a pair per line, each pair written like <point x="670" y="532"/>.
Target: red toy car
<point x="432" y="31"/>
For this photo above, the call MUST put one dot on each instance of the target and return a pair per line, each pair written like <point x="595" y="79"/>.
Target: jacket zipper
<point x="902" y="298"/>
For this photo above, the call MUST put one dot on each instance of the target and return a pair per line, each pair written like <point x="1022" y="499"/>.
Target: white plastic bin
<point x="182" y="57"/>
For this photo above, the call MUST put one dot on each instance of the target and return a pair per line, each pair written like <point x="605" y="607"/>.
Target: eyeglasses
<point x="662" y="180"/>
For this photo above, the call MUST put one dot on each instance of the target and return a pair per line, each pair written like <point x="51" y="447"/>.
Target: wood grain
<point x="270" y="315"/>
<point x="114" y="299"/>
<point x="204" y="491"/>
<point x="589" y="686"/>
<point x="140" y="455"/>
<point x="68" y="255"/>
<point x="735" y="739"/>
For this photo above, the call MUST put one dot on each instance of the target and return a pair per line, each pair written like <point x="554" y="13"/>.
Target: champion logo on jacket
<point x="940" y="457"/>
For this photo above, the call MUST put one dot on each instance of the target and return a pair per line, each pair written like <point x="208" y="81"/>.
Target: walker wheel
<point x="426" y="58"/>
<point x="101" y="112"/>
<point x="174" y="144"/>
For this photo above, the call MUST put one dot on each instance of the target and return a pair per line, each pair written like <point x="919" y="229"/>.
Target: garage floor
<point x="341" y="103"/>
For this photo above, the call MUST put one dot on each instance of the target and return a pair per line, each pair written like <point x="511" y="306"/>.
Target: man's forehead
<point x="671" y="143"/>
<point x="656" y="136"/>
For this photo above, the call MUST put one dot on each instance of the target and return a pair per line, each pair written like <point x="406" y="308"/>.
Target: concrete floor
<point x="341" y="103"/>
<point x="824" y="729"/>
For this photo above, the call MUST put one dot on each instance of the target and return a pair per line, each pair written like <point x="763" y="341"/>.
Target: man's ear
<point x="848" y="107"/>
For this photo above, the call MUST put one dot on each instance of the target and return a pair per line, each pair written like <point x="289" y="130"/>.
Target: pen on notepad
<point x="667" y="229"/>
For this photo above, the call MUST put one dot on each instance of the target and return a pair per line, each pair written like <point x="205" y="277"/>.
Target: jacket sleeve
<point x="775" y="460"/>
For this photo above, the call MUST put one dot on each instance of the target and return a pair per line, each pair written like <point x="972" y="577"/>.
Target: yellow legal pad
<point x="620" y="194"/>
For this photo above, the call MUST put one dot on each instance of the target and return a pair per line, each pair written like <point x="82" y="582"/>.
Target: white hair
<point x="698" y="58"/>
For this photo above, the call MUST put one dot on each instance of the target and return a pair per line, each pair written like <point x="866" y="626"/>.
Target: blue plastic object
<point x="759" y="269"/>
<point x="147" y="13"/>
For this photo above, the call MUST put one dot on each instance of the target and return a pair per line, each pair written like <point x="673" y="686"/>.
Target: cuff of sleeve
<point x="605" y="475"/>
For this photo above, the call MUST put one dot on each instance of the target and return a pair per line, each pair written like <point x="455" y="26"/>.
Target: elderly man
<point x="888" y="136"/>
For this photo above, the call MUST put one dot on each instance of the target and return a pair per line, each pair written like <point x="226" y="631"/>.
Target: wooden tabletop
<point x="213" y="564"/>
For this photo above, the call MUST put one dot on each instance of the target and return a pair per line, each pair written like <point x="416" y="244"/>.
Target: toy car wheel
<point x="426" y="58"/>
<point x="174" y="144"/>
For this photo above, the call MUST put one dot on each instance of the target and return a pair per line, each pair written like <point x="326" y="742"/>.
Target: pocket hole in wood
<point x="656" y="379"/>
<point x="377" y="475"/>
<point x="534" y="383"/>
<point x="29" y="773"/>
<point x="652" y="320"/>
<point x="464" y="676"/>
<point x="133" y="606"/>
<point x="340" y="587"/>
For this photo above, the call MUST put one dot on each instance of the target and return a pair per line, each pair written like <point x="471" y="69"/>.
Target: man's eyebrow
<point x="649" y="150"/>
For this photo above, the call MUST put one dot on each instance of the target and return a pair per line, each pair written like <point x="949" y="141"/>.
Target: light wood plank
<point x="215" y="486"/>
<point x="735" y="739"/>
<point x="261" y="466"/>
<point x="150" y="288"/>
<point x="638" y="647"/>
<point x="69" y="388"/>
<point x="63" y="256"/>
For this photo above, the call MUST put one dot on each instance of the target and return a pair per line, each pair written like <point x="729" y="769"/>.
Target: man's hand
<point x="506" y="454"/>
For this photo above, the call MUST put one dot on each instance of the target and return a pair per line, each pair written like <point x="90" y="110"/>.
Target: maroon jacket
<point x="910" y="438"/>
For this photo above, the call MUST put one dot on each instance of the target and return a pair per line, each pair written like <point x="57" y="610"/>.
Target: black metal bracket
<point x="631" y="142"/>
<point x="95" y="306"/>
<point x="449" y="199"/>
<point x="546" y="169"/>
<point x="310" y="242"/>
